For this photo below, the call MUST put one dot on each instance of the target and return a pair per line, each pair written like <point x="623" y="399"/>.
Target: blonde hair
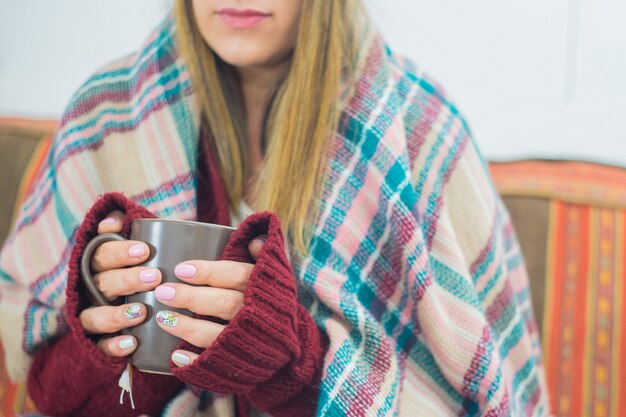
<point x="303" y="116"/>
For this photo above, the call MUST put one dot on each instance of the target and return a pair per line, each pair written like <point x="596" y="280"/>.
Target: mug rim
<point x="185" y="222"/>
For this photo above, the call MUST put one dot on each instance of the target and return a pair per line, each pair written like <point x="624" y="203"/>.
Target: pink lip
<point x="241" y="19"/>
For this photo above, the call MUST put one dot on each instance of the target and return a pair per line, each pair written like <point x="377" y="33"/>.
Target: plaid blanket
<point x="414" y="271"/>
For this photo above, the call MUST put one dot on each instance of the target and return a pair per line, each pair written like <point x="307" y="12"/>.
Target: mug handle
<point x="85" y="269"/>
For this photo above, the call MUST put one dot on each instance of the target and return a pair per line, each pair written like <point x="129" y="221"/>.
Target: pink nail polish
<point x="147" y="275"/>
<point x="108" y="220"/>
<point x="165" y="292"/>
<point x="260" y="239"/>
<point x="137" y="251"/>
<point x="185" y="270"/>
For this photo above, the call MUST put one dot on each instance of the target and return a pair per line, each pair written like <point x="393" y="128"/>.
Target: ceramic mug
<point x="171" y="242"/>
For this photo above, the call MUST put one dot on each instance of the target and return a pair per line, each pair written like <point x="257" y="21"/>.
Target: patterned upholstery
<point x="23" y="147"/>
<point x="571" y="222"/>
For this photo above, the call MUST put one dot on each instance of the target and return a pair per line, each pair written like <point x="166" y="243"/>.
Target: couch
<point x="24" y="145"/>
<point x="570" y="217"/>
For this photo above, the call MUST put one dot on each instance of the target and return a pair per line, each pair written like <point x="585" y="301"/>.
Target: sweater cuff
<point x="262" y="338"/>
<point x="76" y="291"/>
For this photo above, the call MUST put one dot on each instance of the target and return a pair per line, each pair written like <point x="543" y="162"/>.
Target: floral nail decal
<point x="132" y="311"/>
<point x="167" y="318"/>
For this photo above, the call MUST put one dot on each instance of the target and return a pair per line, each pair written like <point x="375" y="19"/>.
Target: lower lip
<point x="241" y="22"/>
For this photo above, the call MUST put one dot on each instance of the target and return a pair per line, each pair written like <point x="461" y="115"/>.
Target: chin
<point x="240" y="53"/>
<point x="244" y="61"/>
<point x="249" y="58"/>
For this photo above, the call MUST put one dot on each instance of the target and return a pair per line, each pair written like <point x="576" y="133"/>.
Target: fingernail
<point x="132" y="311"/>
<point x="180" y="359"/>
<point x="260" y="239"/>
<point x="147" y="275"/>
<point x="167" y="318"/>
<point x="137" y="251"/>
<point x="185" y="270"/>
<point x="165" y="292"/>
<point x="126" y="343"/>
<point x="108" y="220"/>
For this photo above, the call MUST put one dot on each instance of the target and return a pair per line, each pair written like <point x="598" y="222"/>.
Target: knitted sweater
<point x="414" y="273"/>
<point x="270" y="354"/>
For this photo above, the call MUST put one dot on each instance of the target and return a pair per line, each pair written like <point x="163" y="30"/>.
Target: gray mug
<point x="171" y="242"/>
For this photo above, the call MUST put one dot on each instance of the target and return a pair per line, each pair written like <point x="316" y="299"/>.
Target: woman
<point x="397" y="287"/>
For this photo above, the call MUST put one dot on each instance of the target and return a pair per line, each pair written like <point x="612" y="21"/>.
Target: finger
<point x="222" y="274"/>
<point x="209" y="301"/>
<point x="183" y="357"/>
<point x="126" y="281"/>
<point x="118" y="346"/>
<point x="112" y="223"/>
<point x="112" y="255"/>
<point x="201" y="333"/>
<point x="111" y="319"/>
<point x="255" y="246"/>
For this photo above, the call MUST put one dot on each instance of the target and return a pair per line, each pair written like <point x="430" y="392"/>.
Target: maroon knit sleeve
<point x="63" y="381"/>
<point x="271" y="352"/>
<point x="71" y="376"/>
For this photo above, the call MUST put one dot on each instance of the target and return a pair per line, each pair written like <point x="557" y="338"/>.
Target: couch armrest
<point x="24" y="145"/>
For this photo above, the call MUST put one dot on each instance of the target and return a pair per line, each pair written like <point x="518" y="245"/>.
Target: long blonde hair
<point x="303" y="116"/>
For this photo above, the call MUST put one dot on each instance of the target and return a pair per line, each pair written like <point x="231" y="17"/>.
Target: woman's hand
<point x="219" y="294"/>
<point x="116" y="275"/>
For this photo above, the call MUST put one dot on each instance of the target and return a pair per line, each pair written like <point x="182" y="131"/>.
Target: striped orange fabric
<point x="35" y="165"/>
<point x="40" y="125"/>
<point x="14" y="400"/>
<point x="572" y="181"/>
<point x="584" y="327"/>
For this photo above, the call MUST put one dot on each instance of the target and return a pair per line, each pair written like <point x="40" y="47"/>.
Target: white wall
<point x="49" y="48"/>
<point x="534" y="78"/>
